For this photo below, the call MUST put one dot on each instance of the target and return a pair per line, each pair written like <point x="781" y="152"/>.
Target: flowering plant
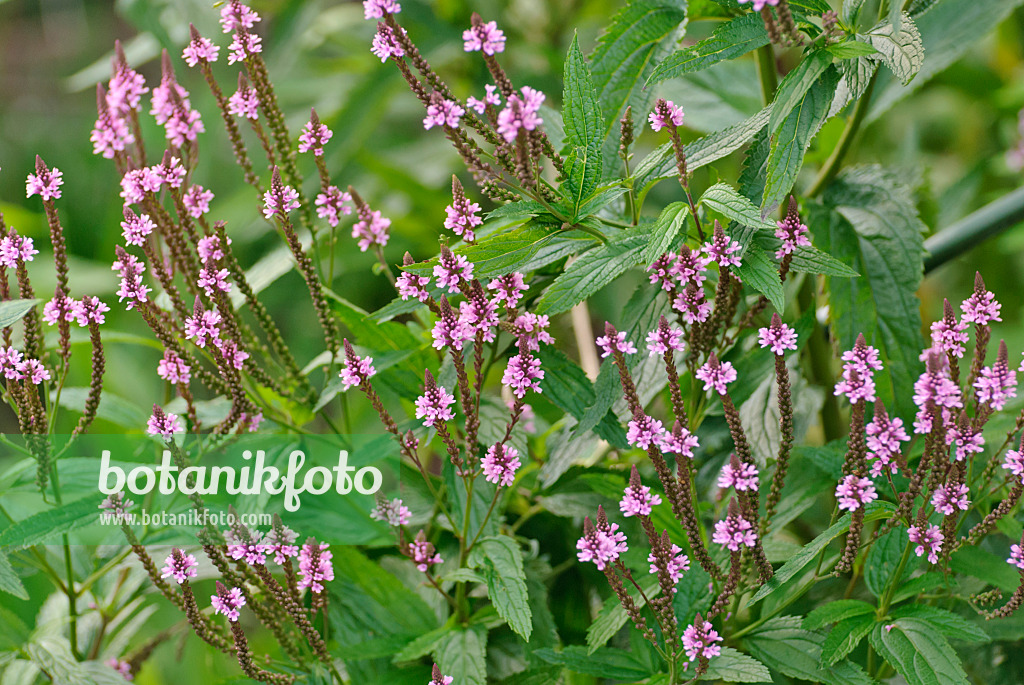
<point x="755" y="469"/>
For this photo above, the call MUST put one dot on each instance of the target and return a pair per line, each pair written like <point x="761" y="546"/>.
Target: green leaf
<point x="730" y="40"/>
<point x="978" y="563"/>
<point x="834" y="612"/>
<point x="613" y="616"/>
<point x="593" y="271"/>
<point x="899" y="47"/>
<point x="872" y="225"/>
<point x="568" y="387"/>
<point x="732" y="666"/>
<point x="850" y="49"/>
<point x="918" y="652"/>
<point x="793" y="88"/>
<point x="792" y="651"/>
<point x="462" y="654"/>
<point x="811" y="260"/>
<point x="665" y="229"/>
<point x="914" y="586"/>
<point x="581" y="117"/>
<point x="808" y="552"/>
<point x="639" y="37"/>
<point x="883" y="560"/>
<point x="790" y="143"/>
<point x="376" y="598"/>
<point x="45" y="525"/>
<point x="662" y="163"/>
<point x="948" y="30"/>
<point x="9" y="580"/>
<point x="12" y="311"/>
<point x="762" y="274"/>
<point x="502" y="563"/>
<point x="724" y="199"/>
<point x="844" y="638"/>
<point x="951" y="625"/>
<point x="113" y="408"/>
<point x="613" y="664"/>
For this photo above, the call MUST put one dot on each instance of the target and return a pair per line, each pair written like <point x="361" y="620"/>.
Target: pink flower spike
<point x="333" y="204"/>
<point x="520" y="113"/>
<point x="15" y="249"/>
<point x="722" y="248"/>
<point x="734" y="531"/>
<point x="423" y="553"/>
<point x="314" y="136"/>
<point x="385" y="45"/>
<point x="523" y="373"/>
<point x="356" y="370"/>
<point x="500" y="464"/>
<point x="490" y="98"/>
<point x="948" y="498"/>
<point x="199" y="50"/>
<point x="280" y="199"/>
<point x="637" y="499"/>
<point x="452" y="270"/>
<point x="376" y="9"/>
<point x="929" y="541"/>
<point x="163" y="424"/>
<point x="197" y="201"/>
<point x="392" y="512"/>
<point x="738" y="475"/>
<point x="179" y="566"/>
<point x="853" y="492"/>
<point x="666" y="114"/>
<point x="315" y="566"/>
<point x="602" y="544"/>
<point x="981" y="308"/>
<point x="486" y="37"/>
<point x="699" y="640"/>
<point x="227" y="602"/>
<point x="443" y="113"/>
<point x="434" y="404"/>
<point x="1016" y="557"/>
<point x="173" y="369"/>
<point x="45" y="182"/>
<point x="716" y="375"/>
<point x="778" y="336"/>
<point x="235" y="15"/>
<point x="791" y="231"/>
<point x="615" y="341"/>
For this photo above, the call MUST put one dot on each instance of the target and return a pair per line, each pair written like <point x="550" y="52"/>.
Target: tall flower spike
<point x="227" y="602"/>
<point x="734" y="530"/>
<point x="997" y="384"/>
<point x="462" y="214"/>
<point x="716" y="375"/>
<point x="437" y="678"/>
<point x="500" y="464"/>
<point x="485" y="37"/>
<point x="179" y="566"/>
<point x="434" y="404"/>
<point x="637" y="499"/>
<point x="423" y="553"/>
<point x="452" y="270"/>
<point x="601" y="544"/>
<point x="722" y="249"/>
<point x="948" y="334"/>
<point x="666" y="114"/>
<point x="981" y="308"/>
<point x="778" y="336"/>
<point x="792" y="232"/>
<point x="372" y="228"/>
<point x="356" y="370"/>
<point x="199" y="49"/>
<point x="280" y="199"/>
<point x="314" y="135"/>
<point x="110" y="134"/>
<point x="740" y="476"/>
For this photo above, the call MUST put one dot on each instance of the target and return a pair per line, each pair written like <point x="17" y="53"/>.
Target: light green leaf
<point x="914" y="586"/>
<point x="639" y="37"/>
<point x="9" y="580"/>
<point x="12" y="311"/>
<point x="834" y="612"/>
<point x="871" y="224"/>
<point x="730" y="40"/>
<point x="665" y="229"/>
<point x="883" y="560"/>
<point x="45" y="525"/>
<point x="899" y="47"/>
<point x="581" y="117"/>
<point x="732" y="666"/>
<point x="462" y="654"/>
<point x="794" y="135"/>
<point x="593" y="271"/>
<point x="951" y="625"/>
<point x="785" y="647"/>
<point x="918" y="652"/>
<point x="613" y="664"/>
<point x="795" y="85"/>
<point x="502" y="564"/>
<point x="850" y="49"/>
<point x="725" y="200"/>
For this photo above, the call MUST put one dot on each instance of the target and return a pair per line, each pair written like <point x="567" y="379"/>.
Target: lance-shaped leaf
<point x="796" y="84"/>
<point x="730" y="40"/>
<point x="899" y="47"/>
<point x="581" y="119"/>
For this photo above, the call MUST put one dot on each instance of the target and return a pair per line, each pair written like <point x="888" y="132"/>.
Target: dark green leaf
<point x="978" y="563"/>
<point x="9" y="580"/>
<point x="732" y="39"/>
<point x="612" y="616"/>
<point x="568" y="387"/>
<point x="915" y="586"/>
<point x="792" y="651"/>
<point x="613" y="664"/>
<point x="794" y="135"/>
<point x="793" y="89"/>
<point x="762" y="274"/>
<point x="836" y="611"/>
<point x="732" y="666"/>
<point x="884" y="558"/>
<point x="873" y="227"/>
<point x="462" y="654"/>
<point x="850" y="49"/>
<point x="639" y="37"/>
<point x="951" y="625"/>
<point x="918" y="652"/>
<point x="665" y="229"/>
<point x="844" y="638"/>
<point x="581" y="117"/>
<point x="502" y="563"/>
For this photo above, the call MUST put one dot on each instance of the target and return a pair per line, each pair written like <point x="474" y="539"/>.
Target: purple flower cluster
<point x="666" y="114"/>
<point x="638" y="500"/>
<point x="716" y="375"/>
<point x="523" y="373"/>
<point x="778" y="336"/>
<point x="792" y="232"/>
<point x="722" y="249"/>
<point x="508" y="289"/>
<point x="933" y="391"/>
<point x="484" y="37"/>
<point x="315" y="566"/>
<point x="929" y="541"/>
<point x="997" y="384"/>
<point x="246" y="544"/>
<point x="853" y="492"/>
<point x="615" y="342"/>
<point x="462" y="218"/>
<point x="443" y="113"/>
<point x="663" y="339"/>
<point x="371" y="229"/>
<point x="173" y="368"/>
<point x="281" y="543"/>
<point x="179" y="566"/>
<point x="452" y="270"/>
<point x="392" y="512"/>
<point x="411" y="285"/>
<point x="520" y="113"/>
<point x="227" y="602"/>
<point x="738" y="475"/>
<point x="491" y="97"/>
<point x="734" y="531"/>
<point x="314" y="136"/>
<point x="680" y="441"/>
<point x="332" y="204"/>
<point x="858" y="383"/>
<point x="356" y="370"/>
<point x="948" y="498"/>
<point x="678" y="563"/>
<point x="423" y="554"/>
<point x="15" y="249"/>
<point x="164" y="424"/>
<point x="884" y="440"/>
<point x="434" y="405"/>
<point x="601" y="545"/>
<point x="500" y="464"/>
<point x="948" y="334"/>
<point x="644" y="431"/>
<point x="699" y="640"/>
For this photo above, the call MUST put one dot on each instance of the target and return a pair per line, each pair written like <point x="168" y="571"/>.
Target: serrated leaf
<point x="851" y="49"/>
<point x="979" y="563"/>
<point x="844" y="638"/>
<point x="873" y="511"/>
<point x="834" y="612"/>
<point x="12" y="311"/>
<point x="613" y="616"/>
<point x="857" y="76"/>
<point x="45" y="525"/>
<point x="923" y="583"/>
<point x="462" y="654"/>
<point x="884" y="559"/>
<point x="762" y="274"/>
<point x="665" y="229"/>
<point x="794" y="86"/>
<point x="948" y="30"/>
<point x="794" y="135"/>
<point x="613" y="664"/>
<point x="567" y="386"/>
<point x="732" y="666"/>
<point x="946" y="622"/>
<point x="730" y="40"/>
<point x="785" y="647"/>
<point x="872" y="225"/>
<point x="918" y="652"/>
<point x="593" y="271"/>
<point x="581" y="118"/>
<point x="639" y="37"/>
<point x="662" y="164"/>
<point x="899" y="47"/>
<point x="502" y="563"/>
<point x="9" y="580"/>
<point x="725" y="200"/>
<point x="811" y="260"/>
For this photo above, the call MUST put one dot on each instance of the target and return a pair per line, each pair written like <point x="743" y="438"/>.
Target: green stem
<point x="835" y="161"/>
<point x="766" y="73"/>
<point x="890" y="590"/>
<point x="991" y="220"/>
<point x="819" y="354"/>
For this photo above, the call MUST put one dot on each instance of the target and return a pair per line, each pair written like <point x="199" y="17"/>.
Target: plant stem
<point x="883" y="607"/>
<point x="991" y="220"/>
<point x="766" y="72"/>
<point x="835" y="161"/>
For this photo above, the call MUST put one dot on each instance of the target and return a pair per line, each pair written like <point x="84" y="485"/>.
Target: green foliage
<point x="581" y="118"/>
